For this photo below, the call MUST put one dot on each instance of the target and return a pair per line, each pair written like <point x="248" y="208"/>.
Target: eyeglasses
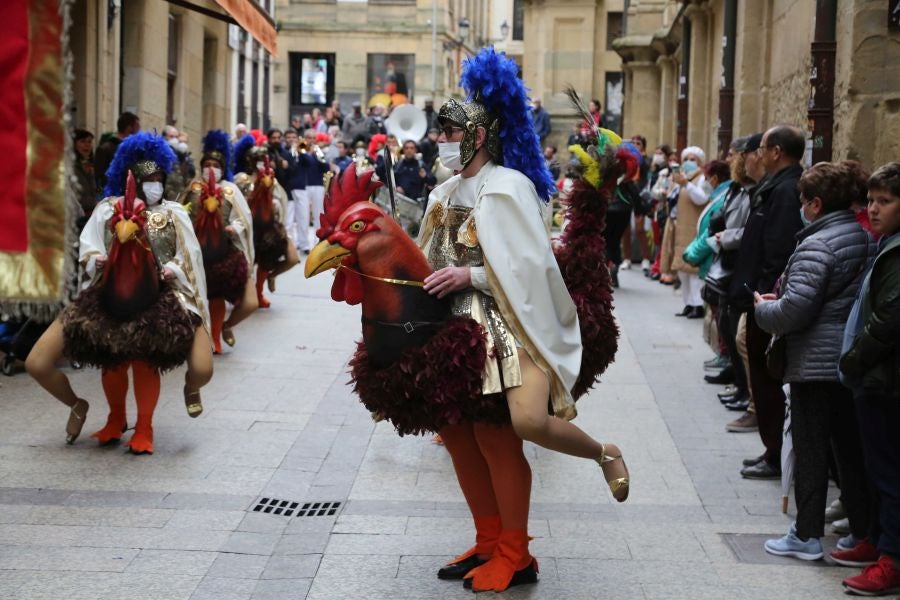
<point x="761" y="148"/>
<point x="448" y="130"/>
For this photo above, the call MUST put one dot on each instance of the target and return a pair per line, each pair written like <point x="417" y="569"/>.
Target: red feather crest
<point x="344" y="191"/>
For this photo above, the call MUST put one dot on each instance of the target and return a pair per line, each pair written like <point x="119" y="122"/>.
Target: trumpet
<point x="302" y="146"/>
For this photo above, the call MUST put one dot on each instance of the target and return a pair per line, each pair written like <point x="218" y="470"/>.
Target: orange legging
<point x="146" y="396"/>
<point x="261" y="276"/>
<point x="217" y="319"/>
<point x="494" y="476"/>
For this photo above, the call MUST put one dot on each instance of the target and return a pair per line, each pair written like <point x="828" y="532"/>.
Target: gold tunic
<point x="454" y="243"/>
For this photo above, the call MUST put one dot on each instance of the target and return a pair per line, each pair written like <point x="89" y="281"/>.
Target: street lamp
<point x="504" y="30"/>
<point x="463" y="30"/>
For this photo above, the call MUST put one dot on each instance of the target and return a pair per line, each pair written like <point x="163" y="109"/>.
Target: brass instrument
<point x="302" y="146"/>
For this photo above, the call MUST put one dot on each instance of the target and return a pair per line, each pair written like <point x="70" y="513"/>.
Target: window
<point x="387" y="74"/>
<point x="613" y="28"/>
<point x="518" y="31"/>
<point x="312" y="79"/>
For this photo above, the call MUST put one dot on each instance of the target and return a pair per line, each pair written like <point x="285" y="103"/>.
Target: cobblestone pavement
<point x="280" y="423"/>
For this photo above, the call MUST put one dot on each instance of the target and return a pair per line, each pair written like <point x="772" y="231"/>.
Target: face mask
<point x="806" y="222"/>
<point x="153" y="191"/>
<point x="173" y="142"/>
<point x="182" y="147"/>
<point x="217" y="173"/>
<point x="659" y="160"/>
<point x="360" y="152"/>
<point x="260" y="165"/>
<point x="689" y="167"/>
<point x="450" y="157"/>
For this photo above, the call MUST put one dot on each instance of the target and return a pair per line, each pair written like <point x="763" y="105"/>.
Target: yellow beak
<point x="323" y="257"/>
<point x="125" y="230"/>
<point x="211" y="204"/>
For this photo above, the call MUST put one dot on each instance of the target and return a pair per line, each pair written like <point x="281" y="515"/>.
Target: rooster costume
<point x="223" y="225"/>
<point x="144" y="300"/>
<point x="462" y="356"/>
<point x="274" y="252"/>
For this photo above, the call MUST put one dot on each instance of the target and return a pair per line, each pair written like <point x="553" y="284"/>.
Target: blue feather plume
<point x="139" y="146"/>
<point x="244" y="144"/>
<point x="493" y="79"/>
<point x="217" y="140"/>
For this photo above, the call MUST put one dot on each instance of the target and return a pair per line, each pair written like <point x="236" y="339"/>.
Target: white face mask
<point x="182" y="147"/>
<point x="217" y="172"/>
<point x="153" y="191"/>
<point x="450" y="157"/>
<point x="260" y="165"/>
<point x="659" y="160"/>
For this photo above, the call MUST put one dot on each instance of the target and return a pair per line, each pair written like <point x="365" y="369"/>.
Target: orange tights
<point x="217" y="318"/>
<point x="146" y="395"/>
<point x="261" y="276"/>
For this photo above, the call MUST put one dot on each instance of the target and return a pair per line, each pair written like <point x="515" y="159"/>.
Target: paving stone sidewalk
<point x="281" y="424"/>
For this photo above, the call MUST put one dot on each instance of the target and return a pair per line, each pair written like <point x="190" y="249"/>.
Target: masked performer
<point x="144" y="303"/>
<point x="224" y="228"/>
<point x="529" y="333"/>
<point x="274" y="251"/>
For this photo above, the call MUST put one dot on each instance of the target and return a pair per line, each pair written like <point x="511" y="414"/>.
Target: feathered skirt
<point x="162" y="335"/>
<point x="227" y="277"/>
<point x="434" y="385"/>
<point x="270" y="242"/>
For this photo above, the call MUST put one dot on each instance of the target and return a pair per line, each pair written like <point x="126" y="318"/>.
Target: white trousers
<point x="691" y="285"/>
<point x="316" y="203"/>
<point x="297" y="219"/>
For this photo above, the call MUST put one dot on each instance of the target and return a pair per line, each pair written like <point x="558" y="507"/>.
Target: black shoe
<point x="614" y="276"/>
<point x="729" y="391"/>
<point x="458" y="570"/>
<point x="724" y="376"/>
<point x="761" y="470"/>
<point x="655" y="276"/>
<point x="740" y="404"/>
<point x="684" y="313"/>
<point x="676" y="284"/>
<point x="739" y="396"/>
<point x="520" y="577"/>
<point x="749" y="462"/>
<point x="696" y="312"/>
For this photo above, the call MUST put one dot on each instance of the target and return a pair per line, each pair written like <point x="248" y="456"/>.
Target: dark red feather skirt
<point x="582" y="262"/>
<point x="434" y="385"/>
<point x="227" y="277"/>
<point x="161" y="335"/>
<point x="270" y="243"/>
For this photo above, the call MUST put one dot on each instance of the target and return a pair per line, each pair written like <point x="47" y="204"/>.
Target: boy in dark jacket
<point x="870" y="366"/>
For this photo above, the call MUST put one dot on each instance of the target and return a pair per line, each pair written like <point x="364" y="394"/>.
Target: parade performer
<point x="273" y="251"/>
<point x="491" y="338"/>
<point x="224" y="229"/>
<point x="143" y="306"/>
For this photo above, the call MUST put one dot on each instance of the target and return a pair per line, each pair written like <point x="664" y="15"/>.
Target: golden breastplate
<point x="161" y="233"/>
<point x="455" y="247"/>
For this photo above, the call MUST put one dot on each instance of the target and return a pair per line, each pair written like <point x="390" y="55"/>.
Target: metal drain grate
<point x="289" y="508"/>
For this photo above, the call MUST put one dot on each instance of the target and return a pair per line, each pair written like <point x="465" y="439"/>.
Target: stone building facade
<point x="700" y="72"/>
<point x="167" y="64"/>
<point x="351" y="50"/>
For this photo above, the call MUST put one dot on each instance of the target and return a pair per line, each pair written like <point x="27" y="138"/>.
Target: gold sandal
<point x="193" y="403"/>
<point x="617" y="484"/>
<point x="228" y="336"/>
<point x="76" y="420"/>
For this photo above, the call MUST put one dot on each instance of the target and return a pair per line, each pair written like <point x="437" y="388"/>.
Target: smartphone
<point x="676" y="168"/>
<point x="748" y="288"/>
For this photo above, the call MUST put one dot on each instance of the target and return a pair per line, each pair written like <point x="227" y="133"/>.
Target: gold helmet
<point x="469" y="116"/>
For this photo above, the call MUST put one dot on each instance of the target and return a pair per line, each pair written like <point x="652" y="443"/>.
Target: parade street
<point x="280" y="423"/>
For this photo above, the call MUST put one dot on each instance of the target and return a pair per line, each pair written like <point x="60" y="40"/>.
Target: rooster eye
<point x="357" y="226"/>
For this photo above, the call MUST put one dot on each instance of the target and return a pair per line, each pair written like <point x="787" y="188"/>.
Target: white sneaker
<point x="645" y="265"/>
<point x="626" y="264"/>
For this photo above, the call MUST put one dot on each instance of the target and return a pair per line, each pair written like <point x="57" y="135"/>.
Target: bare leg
<point x="528" y="411"/>
<point x="199" y="362"/>
<point x="41" y="364"/>
<point x="245" y="307"/>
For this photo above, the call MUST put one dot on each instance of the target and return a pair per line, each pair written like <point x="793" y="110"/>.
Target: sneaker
<point x="862" y="554"/>
<point x="879" y="579"/>
<point x="848" y="542"/>
<point x="841" y="526"/>
<point x="626" y="264"/>
<point x="717" y="364"/>
<point x="645" y="266"/>
<point x="791" y="545"/>
<point x="743" y="424"/>
<point x="835" y="511"/>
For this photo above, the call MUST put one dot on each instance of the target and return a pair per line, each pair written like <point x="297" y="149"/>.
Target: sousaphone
<point x="407" y="123"/>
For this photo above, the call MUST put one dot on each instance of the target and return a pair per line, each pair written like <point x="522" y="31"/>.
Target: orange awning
<point x="251" y="17"/>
